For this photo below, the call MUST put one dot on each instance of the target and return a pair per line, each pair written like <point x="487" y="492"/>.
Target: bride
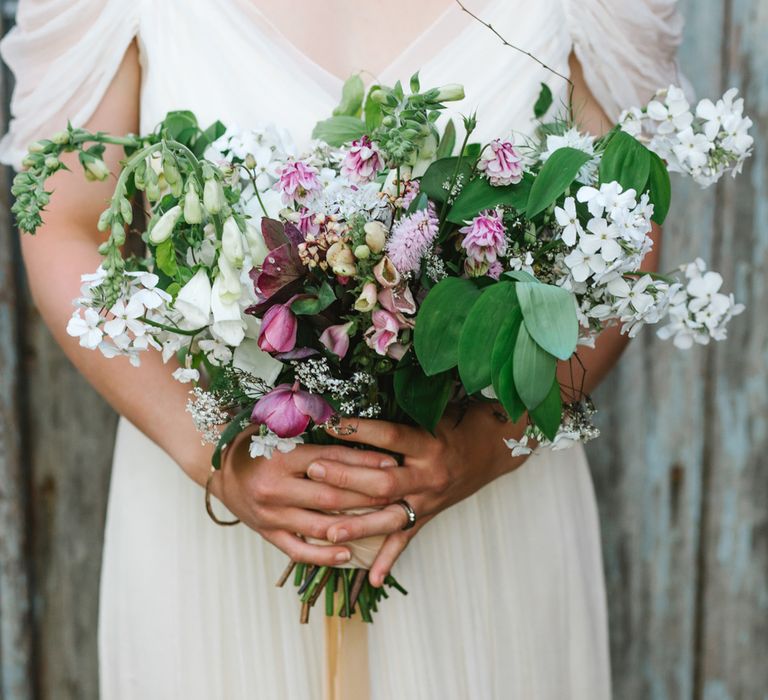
<point x="504" y="564"/>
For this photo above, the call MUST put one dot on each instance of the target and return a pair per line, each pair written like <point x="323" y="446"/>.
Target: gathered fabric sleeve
<point x="627" y="49"/>
<point x="63" y="54"/>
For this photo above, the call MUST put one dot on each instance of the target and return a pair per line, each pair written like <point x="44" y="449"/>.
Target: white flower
<point x="164" y="226"/>
<point x="265" y="445"/>
<point x="228" y="324"/>
<point x="217" y="352"/>
<point x="567" y="218"/>
<point x="601" y="237"/>
<point x="518" y="447"/>
<point x="86" y="328"/>
<point x="256" y="246"/>
<point x="673" y="114"/>
<point x="581" y="142"/>
<point x="185" y="375"/>
<point x="249" y="357"/>
<point x="149" y="296"/>
<point x="230" y="287"/>
<point x="193" y="301"/>
<point x="692" y="149"/>
<point x="125" y="317"/>
<point x="232" y="243"/>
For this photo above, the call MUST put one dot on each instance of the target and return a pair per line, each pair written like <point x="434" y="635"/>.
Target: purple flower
<point x="278" y="329"/>
<point x="286" y="410"/>
<point x="383" y="333"/>
<point x="336" y="338"/>
<point x="501" y="163"/>
<point x="410" y="238"/>
<point x="484" y="238"/>
<point x="307" y="223"/>
<point x="362" y="161"/>
<point x="297" y="181"/>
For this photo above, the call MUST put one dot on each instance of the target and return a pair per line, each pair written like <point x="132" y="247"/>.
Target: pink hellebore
<point x="383" y="333"/>
<point x="362" y="162"/>
<point x="484" y="238"/>
<point x="398" y="300"/>
<point x="286" y="410"/>
<point x="297" y="181"/>
<point x="336" y="338"/>
<point x="501" y="163"/>
<point x="278" y="329"/>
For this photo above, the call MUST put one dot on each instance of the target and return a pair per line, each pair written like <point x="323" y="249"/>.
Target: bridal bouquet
<point x="390" y="269"/>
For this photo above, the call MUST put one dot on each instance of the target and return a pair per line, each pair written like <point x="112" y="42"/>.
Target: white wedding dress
<point x="506" y="588"/>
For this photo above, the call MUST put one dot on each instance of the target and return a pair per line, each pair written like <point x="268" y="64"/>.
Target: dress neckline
<point x="452" y="14"/>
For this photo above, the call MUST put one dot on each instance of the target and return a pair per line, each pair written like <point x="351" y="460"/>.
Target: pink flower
<point x="307" y="223"/>
<point x="501" y="163"/>
<point x="278" y="329"/>
<point x="336" y="338"/>
<point x="494" y="270"/>
<point x="398" y="300"/>
<point x="383" y="333"/>
<point x="362" y="162"/>
<point x="412" y="189"/>
<point x="484" y="238"/>
<point x="286" y="410"/>
<point x="297" y="181"/>
<point x="410" y="238"/>
<point x="385" y="273"/>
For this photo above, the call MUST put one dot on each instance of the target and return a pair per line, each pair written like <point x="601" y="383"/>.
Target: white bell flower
<point x="228" y="324"/>
<point x="193" y="301"/>
<point x="232" y="243"/>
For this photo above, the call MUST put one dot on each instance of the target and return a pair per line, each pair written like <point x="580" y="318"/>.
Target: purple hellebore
<point x="278" y="329"/>
<point x="286" y="410"/>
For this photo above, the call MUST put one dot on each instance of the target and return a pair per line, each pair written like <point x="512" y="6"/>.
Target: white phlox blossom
<point x="265" y="445"/>
<point x="573" y="138"/>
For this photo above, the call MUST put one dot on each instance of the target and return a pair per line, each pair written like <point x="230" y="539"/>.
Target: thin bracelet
<point x="208" y="506"/>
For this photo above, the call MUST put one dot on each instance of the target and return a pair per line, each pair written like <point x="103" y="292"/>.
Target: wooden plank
<point x="16" y="672"/>
<point x="648" y="464"/>
<point x="733" y="626"/>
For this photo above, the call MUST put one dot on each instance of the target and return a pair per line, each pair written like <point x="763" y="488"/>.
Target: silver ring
<point x="410" y="512"/>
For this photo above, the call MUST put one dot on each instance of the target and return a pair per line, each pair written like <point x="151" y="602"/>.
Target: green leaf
<point x="180" y="126"/>
<point x="502" y="366"/>
<point x="660" y="189"/>
<point x="440" y="173"/>
<point x="479" y="332"/>
<point x="315" y="303"/>
<point x="423" y="398"/>
<point x="229" y="433"/>
<point x="207" y="137"/>
<point x="555" y="176"/>
<point x="448" y="140"/>
<point x="626" y="161"/>
<point x="372" y="111"/>
<point x="165" y="257"/>
<point x="479" y="194"/>
<point x="337" y="131"/>
<point x="548" y="414"/>
<point x="533" y="369"/>
<point x="543" y="102"/>
<point x="550" y="317"/>
<point x="473" y="151"/>
<point x="521" y="276"/>
<point x="418" y="203"/>
<point x="351" y="97"/>
<point x="439" y="323"/>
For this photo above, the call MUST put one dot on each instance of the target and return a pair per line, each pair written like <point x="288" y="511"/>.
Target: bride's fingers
<point x="303" y="522"/>
<point x="381" y="522"/>
<point x="304" y="493"/>
<point x="395" y="437"/>
<point x="391" y="483"/>
<point x="300" y="551"/>
<point x="340" y="453"/>
<point x="391" y="549"/>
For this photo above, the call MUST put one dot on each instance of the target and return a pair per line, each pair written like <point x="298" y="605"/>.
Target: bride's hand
<point x="273" y="497"/>
<point x="442" y="469"/>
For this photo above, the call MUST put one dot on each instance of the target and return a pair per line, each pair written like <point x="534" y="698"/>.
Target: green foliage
<point x="314" y="303"/>
<point x="543" y="102"/>
<point x="660" y="189"/>
<point x="554" y="178"/>
<point x="533" y="369"/>
<point x="548" y="414"/>
<point x="234" y="428"/>
<point x="502" y="365"/>
<point x="165" y="257"/>
<point x="439" y="323"/>
<point x="440" y="173"/>
<point x="550" y="317"/>
<point x="626" y="161"/>
<point x="448" y="141"/>
<point x="479" y="194"/>
<point x="352" y="94"/>
<point x="423" y="398"/>
<point x="372" y="110"/>
<point x="336" y="131"/>
<point x="478" y="335"/>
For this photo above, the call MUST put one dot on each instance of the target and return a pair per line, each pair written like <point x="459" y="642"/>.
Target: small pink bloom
<point x="308" y="222"/>
<point x="398" y="299"/>
<point x="495" y="269"/>
<point x="336" y="338"/>
<point x="362" y="162"/>
<point x="410" y="239"/>
<point x="501" y="163"/>
<point x="484" y="238"/>
<point x="298" y="180"/>
<point x="386" y="273"/>
<point x="278" y="329"/>
<point x="286" y="410"/>
<point x="412" y="189"/>
<point x="383" y="333"/>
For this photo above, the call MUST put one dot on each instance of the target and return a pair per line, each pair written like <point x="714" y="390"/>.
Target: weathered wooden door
<point x="680" y="471"/>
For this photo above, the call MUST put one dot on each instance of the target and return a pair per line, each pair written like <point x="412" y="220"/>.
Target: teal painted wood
<point x="681" y="491"/>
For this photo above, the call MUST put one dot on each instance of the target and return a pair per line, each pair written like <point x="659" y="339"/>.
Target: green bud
<point x="103" y="250"/>
<point x="105" y="220"/>
<point x="52" y="163"/>
<point x="250" y="161"/>
<point x="164" y="226"/>
<point x="37" y="147"/>
<point x="152" y="190"/>
<point x="29" y="161"/>
<point x="450" y="93"/>
<point x="126" y="210"/>
<point x="60" y="138"/>
<point x="139" y="175"/>
<point x="118" y="234"/>
<point x="96" y="168"/>
<point x="170" y="171"/>
<point x="193" y="211"/>
<point x="389" y="121"/>
<point x="362" y="252"/>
